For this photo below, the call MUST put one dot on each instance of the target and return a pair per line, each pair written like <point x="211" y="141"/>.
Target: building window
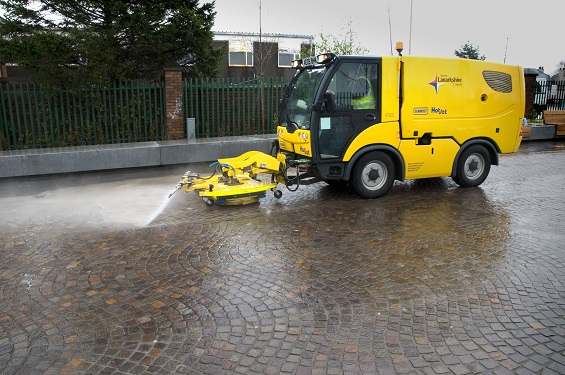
<point x="239" y="53"/>
<point x="241" y="58"/>
<point x="285" y="58"/>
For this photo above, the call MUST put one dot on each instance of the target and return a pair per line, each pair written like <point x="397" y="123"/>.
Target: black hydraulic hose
<point x="216" y="170"/>
<point x="297" y="178"/>
<point x="275" y="147"/>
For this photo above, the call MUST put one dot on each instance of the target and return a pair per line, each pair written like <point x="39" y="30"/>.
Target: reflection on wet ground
<point x="101" y="273"/>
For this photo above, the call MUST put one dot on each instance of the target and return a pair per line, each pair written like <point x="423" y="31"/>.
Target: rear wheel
<point x="473" y="166"/>
<point x="373" y="175"/>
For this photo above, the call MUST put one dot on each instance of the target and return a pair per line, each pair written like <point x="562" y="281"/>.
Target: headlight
<point x="325" y="58"/>
<point x="303" y="136"/>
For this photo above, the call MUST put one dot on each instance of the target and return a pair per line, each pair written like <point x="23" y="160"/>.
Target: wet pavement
<point x="101" y="274"/>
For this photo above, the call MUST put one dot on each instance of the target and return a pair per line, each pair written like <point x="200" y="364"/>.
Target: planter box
<point x="554" y="117"/>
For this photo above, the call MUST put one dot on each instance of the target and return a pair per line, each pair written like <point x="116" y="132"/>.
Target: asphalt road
<point x="102" y="273"/>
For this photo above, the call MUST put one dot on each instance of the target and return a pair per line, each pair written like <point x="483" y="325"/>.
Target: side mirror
<point x="328" y="102"/>
<point x="291" y="127"/>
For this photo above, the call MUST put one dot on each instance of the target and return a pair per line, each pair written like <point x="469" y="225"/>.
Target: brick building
<point x="254" y="54"/>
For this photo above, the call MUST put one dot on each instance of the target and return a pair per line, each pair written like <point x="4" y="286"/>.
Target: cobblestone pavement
<point x="99" y="273"/>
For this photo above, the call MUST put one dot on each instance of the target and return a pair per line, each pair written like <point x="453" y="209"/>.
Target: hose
<point x="218" y="169"/>
<point x="297" y="178"/>
<point x="275" y="147"/>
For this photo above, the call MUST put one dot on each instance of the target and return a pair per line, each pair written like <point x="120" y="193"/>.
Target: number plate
<point x="309" y="61"/>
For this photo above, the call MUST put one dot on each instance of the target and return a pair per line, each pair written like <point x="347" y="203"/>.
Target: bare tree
<point x="344" y="44"/>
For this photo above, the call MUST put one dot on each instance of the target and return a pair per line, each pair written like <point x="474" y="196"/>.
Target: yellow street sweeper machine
<point x="368" y="121"/>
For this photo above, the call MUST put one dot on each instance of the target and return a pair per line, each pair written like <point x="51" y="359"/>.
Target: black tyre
<point x="373" y="175"/>
<point x="473" y="166"/>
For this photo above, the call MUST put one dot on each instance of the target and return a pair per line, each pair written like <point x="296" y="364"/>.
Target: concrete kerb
<point x="131" y="155"/>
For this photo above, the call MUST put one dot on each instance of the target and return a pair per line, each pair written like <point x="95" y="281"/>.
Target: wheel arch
<point x="391" y="151"/>
<point x="487" y="143"/>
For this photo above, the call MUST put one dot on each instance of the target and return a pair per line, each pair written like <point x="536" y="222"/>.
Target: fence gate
<point x="229" y="106"/>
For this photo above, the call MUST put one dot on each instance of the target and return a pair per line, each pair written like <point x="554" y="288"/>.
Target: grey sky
<point x="532" y="32"/>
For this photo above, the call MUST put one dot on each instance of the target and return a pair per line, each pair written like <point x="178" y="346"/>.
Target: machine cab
<point x="327" y="104"/>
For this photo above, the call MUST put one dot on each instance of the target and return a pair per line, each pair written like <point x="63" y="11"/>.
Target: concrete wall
<point x="132" y="155"/>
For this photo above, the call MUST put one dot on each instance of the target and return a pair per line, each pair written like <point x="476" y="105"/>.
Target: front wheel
<point x="473" y="166"/>
<point x="209" y="202"/>
<point x="373" y="175"/>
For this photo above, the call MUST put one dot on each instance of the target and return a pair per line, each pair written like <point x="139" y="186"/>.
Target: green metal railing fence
<point x="229" y="106"/>
<point x="36" y="117"/>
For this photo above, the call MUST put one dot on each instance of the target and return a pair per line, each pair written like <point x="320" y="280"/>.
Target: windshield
<point x="299" y="98"/>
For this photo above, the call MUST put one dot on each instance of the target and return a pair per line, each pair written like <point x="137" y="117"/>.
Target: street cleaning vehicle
<point x="368" y="121"/>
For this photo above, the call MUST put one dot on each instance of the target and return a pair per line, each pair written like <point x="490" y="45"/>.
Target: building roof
<point x="267" y="35"/>
<point x="538" y="72"/>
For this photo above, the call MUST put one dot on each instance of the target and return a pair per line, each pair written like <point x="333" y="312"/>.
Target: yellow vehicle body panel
<point x="463" y="99"/>
<point x="383" y="133"/>
<point x="298" y="142"/>
<point x="259" y="161"/>
<point x="433" y="160"/>
<point x="390" y="107"/>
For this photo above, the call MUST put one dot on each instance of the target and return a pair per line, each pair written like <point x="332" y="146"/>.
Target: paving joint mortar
<point x="101" y="273"/>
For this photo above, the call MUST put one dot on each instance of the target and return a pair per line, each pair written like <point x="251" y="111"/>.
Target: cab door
<point x="349" y="104"/>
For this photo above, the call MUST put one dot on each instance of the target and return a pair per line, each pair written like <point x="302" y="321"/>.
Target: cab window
<point x="352" y="88"/>
<point x="353" y="85"/>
